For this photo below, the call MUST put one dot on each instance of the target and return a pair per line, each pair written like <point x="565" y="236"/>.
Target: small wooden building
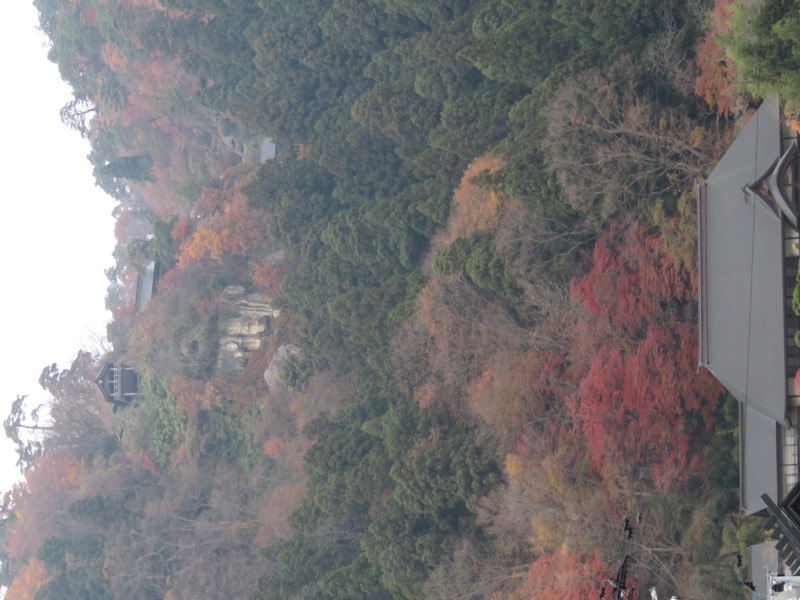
<point x="119" y="383"/>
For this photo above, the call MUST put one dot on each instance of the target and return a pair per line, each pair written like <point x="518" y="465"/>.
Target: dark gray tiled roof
<point x="742" y="339"/>
<point x="145" y="284"/>
<point x="758" y="437"/>
<point x="762" y="558"/>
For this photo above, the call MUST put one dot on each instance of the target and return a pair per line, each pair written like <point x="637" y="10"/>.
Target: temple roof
<point x="742" y="300"/>
<point x="145" y="285"/>
<point x="117" y="382"/>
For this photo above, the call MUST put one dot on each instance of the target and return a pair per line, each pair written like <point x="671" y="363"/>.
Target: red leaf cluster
<point x="639" y="402"/>
<point x="564" y="574"/>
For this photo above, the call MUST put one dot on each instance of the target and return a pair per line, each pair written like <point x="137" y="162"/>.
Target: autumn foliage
<point x="630" y="283"/>
<point x="38" y="503"/>
<point x="614" y="408"/>
<point x="491" y="376"/>
<point x="633" y="410"/>
<point x="639" y="401"/>
<point x="234" y="231"/>
<point x="716" y="82"/>
<point x="32" y="576"/>
<point x="562" y="573"/>
<point x="475" y="208"/>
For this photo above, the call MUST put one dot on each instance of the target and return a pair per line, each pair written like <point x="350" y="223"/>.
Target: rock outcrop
<point x="274" y="373"/>
<point x="245" y="320"/>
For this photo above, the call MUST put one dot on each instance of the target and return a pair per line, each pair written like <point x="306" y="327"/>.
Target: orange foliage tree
<point x="451" y="339"/>
<point x="180" y="230"/>
<point x="114" y="57"/>
<point x="516" y="392"/>
<point x="40" y="501"/>
<point x="232" y="392"/>
<point x="267" y="276"/>
<point x="563" y="574"/>
<point x="474" y="208"/>
<point x="236" y="231"/>
<point x="32" y="576"/>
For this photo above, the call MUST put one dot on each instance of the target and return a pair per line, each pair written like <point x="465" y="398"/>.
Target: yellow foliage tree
<point x="474" y="208"/>
<point x="230" y="228"/>
<point x="204" y="242"/>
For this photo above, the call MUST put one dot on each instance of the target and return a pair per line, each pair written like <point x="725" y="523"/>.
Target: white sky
<point x="56" y="230"/>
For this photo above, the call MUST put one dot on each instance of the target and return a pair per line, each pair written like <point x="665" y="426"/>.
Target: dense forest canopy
<point x="474" y="257"/>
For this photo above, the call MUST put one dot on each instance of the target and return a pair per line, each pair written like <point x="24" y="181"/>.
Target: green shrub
<point x="709" y="544"/>
<point x="762" y="43"/>
<point x="297" y="373"/>
<point x="722" y="456"/>
<point x="749" y="534"/>
<point x="154" y="424"/>
<point x="479" y="260"/>
<point x="720" y="504"/>
<point x="796" y="300"/>
<point x="225" y="437"/>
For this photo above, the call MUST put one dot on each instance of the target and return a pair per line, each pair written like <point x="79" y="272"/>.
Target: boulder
<point x="274" y="373"/>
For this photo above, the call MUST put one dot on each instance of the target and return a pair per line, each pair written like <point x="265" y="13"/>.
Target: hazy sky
<point x="56" y="230"/>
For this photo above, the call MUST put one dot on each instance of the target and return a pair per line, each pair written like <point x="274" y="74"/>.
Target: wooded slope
<point x="479" y="233"/>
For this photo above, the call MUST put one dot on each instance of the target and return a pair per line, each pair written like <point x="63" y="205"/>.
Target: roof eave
<point x="702" y="333"/>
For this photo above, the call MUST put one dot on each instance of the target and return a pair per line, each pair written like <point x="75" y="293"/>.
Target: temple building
<point x="748" y="259"/>
<point x="119" y="383"/>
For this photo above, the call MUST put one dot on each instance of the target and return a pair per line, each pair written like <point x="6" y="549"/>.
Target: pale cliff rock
<point x="245" y="319"/>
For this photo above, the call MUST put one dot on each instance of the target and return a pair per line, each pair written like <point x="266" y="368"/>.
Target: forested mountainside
<point x="474" y="255"/>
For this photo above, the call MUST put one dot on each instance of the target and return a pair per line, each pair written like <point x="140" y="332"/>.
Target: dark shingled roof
<point x="741" y="304"/>
<point x="758" y="439"/>
<point x="145" y="284"/>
